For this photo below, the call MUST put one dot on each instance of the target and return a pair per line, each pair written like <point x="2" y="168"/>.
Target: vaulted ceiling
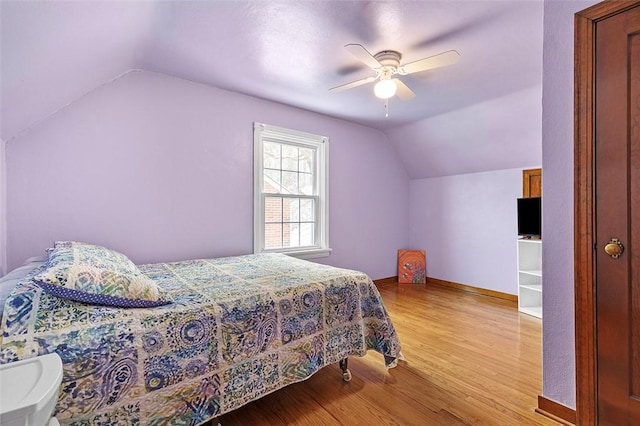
<point x="291" y="52"/>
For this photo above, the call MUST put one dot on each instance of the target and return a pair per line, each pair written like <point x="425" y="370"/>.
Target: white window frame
<point x="267" y="133"/>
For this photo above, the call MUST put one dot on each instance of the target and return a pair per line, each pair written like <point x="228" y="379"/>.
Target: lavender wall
<point x="468" y="226"/>
<point x="3" y="211"/>
<point x="162" y="169"/>
<point x="64" y="49"/>
<point x="557" y="160"/>
<point x="470" y="219"/>
<point x="498" y="134"/>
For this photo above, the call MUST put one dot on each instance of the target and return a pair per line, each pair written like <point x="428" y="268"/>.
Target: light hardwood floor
<point x="469" y="360"/>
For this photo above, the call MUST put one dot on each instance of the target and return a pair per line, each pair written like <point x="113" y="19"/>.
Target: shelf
<point x="530" y="277"/>
<point x="525" y="240"/>
<point x="535" y="311"/>
<point x="534" y="287"/>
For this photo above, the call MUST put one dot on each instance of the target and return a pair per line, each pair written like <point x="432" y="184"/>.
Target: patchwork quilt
<point x="238" y="328"/>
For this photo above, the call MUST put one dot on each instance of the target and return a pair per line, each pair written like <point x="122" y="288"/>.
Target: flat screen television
<point x="530" y="217"/>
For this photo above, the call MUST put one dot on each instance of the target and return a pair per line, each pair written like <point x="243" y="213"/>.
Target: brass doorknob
<point x="614" y="248"/>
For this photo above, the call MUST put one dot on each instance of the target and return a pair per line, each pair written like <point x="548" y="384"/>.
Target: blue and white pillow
<point x="97" y="275"/>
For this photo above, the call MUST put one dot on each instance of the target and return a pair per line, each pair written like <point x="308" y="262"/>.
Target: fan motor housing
<point x="389" y="58"/>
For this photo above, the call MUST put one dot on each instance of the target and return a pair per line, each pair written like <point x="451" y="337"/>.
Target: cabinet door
<point x="532" y="183"/>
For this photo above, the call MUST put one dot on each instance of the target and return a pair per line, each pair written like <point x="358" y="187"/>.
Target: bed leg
<point x="346" y="374"/>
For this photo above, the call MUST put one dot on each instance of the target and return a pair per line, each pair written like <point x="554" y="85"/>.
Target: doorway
<point x="607" y="202"/>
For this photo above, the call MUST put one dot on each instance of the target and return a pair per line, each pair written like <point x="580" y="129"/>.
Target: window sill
<point x="306" y="254"/>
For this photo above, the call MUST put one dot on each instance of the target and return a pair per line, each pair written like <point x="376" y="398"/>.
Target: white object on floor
<point x="29" y="391"/>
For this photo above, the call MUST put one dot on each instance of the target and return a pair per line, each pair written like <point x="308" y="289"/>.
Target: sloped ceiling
<point x="54" y="52"/>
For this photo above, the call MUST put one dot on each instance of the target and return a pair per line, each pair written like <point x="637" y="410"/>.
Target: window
<point x="290" y="192"/>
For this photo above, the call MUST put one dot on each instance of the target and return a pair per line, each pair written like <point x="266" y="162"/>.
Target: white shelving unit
<point x="530" y="277"/>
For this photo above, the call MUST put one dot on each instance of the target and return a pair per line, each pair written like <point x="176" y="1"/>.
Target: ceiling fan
<point x="387" y="66"/>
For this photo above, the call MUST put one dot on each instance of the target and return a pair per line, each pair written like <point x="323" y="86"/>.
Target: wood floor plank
<point x="469" y="360"/>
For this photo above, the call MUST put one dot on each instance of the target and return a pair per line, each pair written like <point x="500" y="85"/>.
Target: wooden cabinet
<point x="532" y="183"/>
<point x="530" y="277"/>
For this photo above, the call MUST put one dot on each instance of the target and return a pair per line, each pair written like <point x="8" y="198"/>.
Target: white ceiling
<point x="286" y="51"/>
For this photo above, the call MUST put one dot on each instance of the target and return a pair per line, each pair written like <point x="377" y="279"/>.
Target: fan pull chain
<point x="386" y="108"/>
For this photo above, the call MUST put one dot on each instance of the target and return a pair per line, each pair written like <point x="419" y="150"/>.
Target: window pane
<point x="306" y="211"/>
<point x="286" y="209"/>
<point x="290" y="158"/>
<point x="294" y="235"/>
<point x="272" y="181"/>
<point x="292" y="218"/>
<point x="306" y="184"/>
<point x="306" y="234"/>
<point x="271" y="155"/>
<point x="305" y="158"/>
<point x="272" y="235"/>
<point x="294" y="210"/>
<point x="273" y="209"/>
<point x="290" y="182"/>
<point x="286" y="235"/>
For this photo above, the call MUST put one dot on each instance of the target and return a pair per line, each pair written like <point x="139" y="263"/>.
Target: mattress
<point x="9" y="281"/>
<point x="238" y="328"/>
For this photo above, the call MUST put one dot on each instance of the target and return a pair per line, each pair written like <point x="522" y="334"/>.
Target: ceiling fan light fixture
<point x="384" y="89"/>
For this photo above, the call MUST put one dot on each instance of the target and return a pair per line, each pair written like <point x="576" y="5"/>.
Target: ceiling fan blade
<point x="436" y="61"/>
<point x="403" y="90"/>
<point x="363" y="55"/>
<point x="353" y="84"/>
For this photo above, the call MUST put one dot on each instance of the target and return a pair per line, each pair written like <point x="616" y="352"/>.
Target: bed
<point x="232" y="330"/>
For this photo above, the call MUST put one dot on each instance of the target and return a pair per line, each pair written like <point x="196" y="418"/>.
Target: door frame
<point x="584" y="207"/>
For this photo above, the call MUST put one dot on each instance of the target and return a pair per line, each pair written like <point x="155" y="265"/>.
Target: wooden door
<point x="608" y="207"/>
<point x="617" y="191"/>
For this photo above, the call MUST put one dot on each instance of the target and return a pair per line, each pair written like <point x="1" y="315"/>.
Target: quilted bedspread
<point x="239" y="328"/>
